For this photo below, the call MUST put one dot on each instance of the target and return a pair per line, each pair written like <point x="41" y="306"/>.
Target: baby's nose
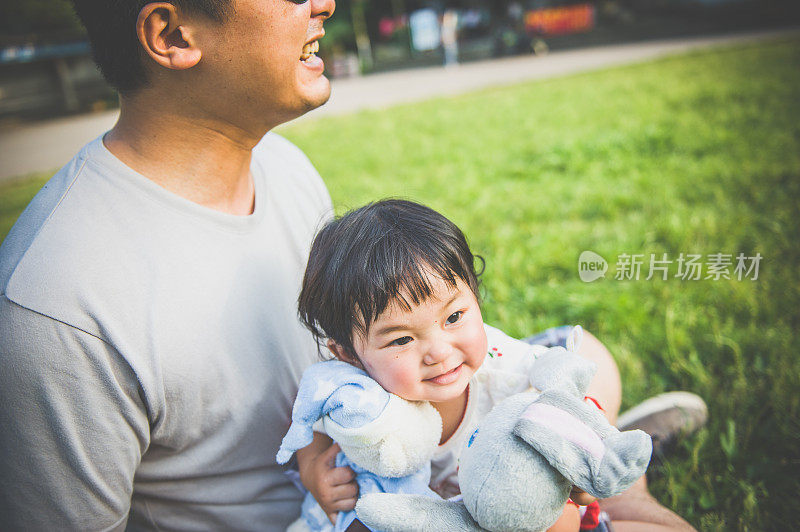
<point x="438" y="352"/>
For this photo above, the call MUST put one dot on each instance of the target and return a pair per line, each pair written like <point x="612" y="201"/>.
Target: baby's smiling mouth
<point x="448" y="377"/>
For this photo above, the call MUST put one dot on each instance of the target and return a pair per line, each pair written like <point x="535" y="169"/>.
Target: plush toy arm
<point x="625" y="460"/>
<point x="400" y="441"/>
<point x="335" y="389"/>
<point x="414" y="513"/>
<point x="562" y="370"/>
<point x="582" y="446"/>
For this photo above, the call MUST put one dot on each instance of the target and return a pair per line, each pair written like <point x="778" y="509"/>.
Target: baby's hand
<point x="334" y="488"/>
<point x="570" y="520"/>
<point x="581" y="497"/>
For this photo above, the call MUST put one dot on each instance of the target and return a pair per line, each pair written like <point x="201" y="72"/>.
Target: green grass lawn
<point x="695" y="154"/>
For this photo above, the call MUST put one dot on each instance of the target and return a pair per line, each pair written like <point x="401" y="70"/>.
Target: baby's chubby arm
<point x="570" y="520"/>
<point x="581" y="497"/>
<point x="334" y="488"/>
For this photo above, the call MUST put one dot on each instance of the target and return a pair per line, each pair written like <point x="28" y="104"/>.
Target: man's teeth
<point x="309" y="50"/>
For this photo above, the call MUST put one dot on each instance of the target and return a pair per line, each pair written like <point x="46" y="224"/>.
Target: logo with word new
<point x="591" y="266"/>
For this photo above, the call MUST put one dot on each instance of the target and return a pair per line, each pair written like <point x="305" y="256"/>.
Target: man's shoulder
<point x="64" y="238"/>
<point x="36" y="217"/>
<point x="274" y="146"/>
<point x="290" y="173"/>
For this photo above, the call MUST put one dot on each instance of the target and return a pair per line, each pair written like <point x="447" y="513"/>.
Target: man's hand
<point x="334" y="488"/>
<point x="581" y="497"/>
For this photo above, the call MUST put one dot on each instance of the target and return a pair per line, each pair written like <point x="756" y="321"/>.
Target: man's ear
<point x="165" y="36"/>
<point x="342" y="354"/>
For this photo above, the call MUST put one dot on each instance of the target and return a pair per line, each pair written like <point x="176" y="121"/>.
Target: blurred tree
<point x="363" y="43"/>
<point x="22" y="18"/>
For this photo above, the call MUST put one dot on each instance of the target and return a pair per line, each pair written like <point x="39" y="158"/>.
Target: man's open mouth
<point x="309" y="51"/>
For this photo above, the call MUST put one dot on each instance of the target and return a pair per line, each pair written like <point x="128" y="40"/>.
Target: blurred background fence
<point x="46" y="67"/>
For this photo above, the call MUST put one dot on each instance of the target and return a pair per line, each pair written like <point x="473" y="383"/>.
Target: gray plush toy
<point x="521" y="463"/>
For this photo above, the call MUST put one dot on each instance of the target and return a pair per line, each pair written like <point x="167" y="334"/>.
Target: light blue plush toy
<point x="519" y="466"/>
<point x="386" y="440"/>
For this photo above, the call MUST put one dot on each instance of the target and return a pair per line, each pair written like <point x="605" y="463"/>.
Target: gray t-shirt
<point x="150" y="349"/>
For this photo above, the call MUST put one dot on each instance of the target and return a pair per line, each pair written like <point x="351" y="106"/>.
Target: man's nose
<point x="323" y="8"/>
<point x="438" y="351"/>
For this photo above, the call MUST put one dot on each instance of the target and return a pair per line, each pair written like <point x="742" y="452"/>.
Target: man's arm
<point x="73" y="426"/>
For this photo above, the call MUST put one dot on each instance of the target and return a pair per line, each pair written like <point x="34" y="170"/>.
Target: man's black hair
<point x="111" y="26"/>
<point x="381" y="253"/>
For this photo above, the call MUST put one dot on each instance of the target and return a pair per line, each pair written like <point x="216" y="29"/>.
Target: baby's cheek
<point x="477" y="341"/>
<point x="400" y="378"/>
<point x="406" y="374"/>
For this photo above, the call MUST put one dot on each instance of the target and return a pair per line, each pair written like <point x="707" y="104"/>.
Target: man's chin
<point x="319" y="98"/>
<point x="312" y="90"/>
<point x="310" y="100"/>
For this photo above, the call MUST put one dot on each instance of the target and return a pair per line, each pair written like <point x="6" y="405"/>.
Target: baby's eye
<point x="401" y="341"/>
<point x="454" y="317"/>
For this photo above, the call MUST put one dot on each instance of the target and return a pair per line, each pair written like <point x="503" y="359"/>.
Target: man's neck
<point x="201" y="159"/>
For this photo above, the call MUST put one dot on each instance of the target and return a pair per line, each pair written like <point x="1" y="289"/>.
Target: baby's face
<point x="430" y="352"/>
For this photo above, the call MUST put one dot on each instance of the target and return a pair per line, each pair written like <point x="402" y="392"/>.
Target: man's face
<point x="257" y="62"/>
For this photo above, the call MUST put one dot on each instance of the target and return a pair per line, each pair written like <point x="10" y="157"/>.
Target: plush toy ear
<point x="562" y="370"/>
<point x="602" y="463"/>
<point x="413" y="513"/>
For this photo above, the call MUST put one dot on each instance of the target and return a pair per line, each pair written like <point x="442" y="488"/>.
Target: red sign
<point x="560" y="20"/>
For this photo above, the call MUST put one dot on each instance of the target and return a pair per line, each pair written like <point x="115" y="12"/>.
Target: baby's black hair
<point x="375" y="255"/>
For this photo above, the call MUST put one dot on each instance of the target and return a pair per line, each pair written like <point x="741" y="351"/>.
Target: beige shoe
<point x="666" y="418"/>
